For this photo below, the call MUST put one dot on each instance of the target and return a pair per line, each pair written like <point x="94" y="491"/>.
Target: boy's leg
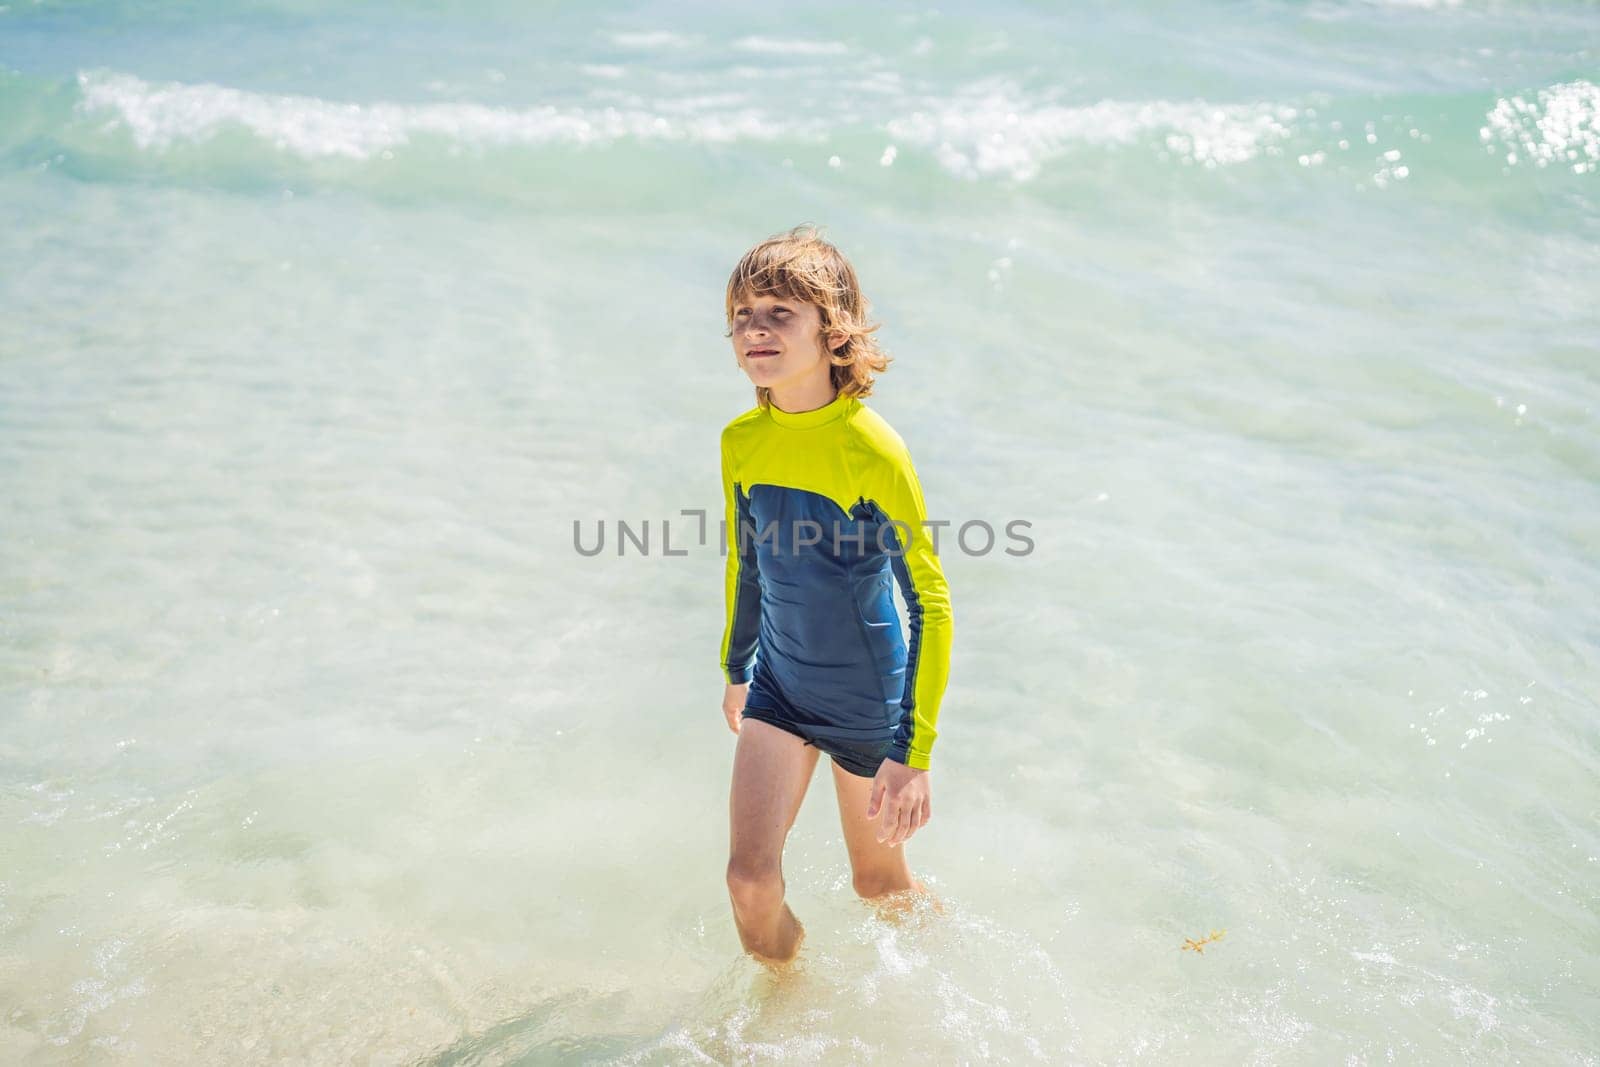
<point x="875" y="868"/>
<point x="771" y="769"/>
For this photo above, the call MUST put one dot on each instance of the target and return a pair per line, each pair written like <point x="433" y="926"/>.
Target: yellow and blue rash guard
<point x="822" y="507"/>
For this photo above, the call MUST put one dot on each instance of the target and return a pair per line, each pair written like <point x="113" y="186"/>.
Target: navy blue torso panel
<point x="830" y="636"/>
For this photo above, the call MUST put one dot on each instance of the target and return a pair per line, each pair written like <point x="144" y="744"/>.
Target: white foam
<point x="995" y="131"/>
<point x="651" y="39"/>
<point x="985" y="130"/>
<point x="773" y="46"/>
<point x="160" y="115"/>
<point x="1328" y="12"/>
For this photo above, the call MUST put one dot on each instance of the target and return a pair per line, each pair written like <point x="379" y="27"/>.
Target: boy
<point x="823" y="505"/>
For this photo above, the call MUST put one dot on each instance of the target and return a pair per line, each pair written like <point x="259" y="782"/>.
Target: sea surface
<point x="321" y="326"/>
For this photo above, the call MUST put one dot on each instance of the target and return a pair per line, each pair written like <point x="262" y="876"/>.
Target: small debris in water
<point x="1199" y="947"/>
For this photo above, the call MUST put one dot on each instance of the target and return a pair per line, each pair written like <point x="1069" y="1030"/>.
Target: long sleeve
<point x="742" y="584"/>
<point x="930" y="621"/>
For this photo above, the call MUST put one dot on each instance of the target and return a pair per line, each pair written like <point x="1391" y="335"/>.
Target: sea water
<point x="322" y="327"/>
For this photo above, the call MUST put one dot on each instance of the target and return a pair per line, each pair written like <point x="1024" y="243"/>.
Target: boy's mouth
<point x="758" y="352"/>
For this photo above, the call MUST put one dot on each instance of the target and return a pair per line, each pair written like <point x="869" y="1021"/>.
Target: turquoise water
<point x="319" y="329"/>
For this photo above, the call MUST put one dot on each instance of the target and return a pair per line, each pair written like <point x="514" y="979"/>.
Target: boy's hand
<point x="733" y="703"/>
<point x="903" y="796"/>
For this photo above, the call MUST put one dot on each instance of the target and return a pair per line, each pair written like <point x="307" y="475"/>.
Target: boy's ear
<point x="836" y="341"/>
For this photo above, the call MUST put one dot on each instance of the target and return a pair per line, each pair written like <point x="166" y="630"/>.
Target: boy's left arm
<point x="931" y="624"/>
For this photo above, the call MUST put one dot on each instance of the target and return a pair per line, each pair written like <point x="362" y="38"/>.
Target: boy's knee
<point x="754" y="886"/>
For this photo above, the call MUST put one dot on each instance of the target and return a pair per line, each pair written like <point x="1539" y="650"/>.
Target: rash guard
<point x="823" y="507"/>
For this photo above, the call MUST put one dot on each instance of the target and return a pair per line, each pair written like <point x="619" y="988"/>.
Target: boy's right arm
<point x="741" y="589"/>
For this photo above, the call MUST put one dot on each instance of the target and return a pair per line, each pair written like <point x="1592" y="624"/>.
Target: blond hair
<point x="800" y="265"/>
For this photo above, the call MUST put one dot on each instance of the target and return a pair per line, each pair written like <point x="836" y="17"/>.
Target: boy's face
<point x="778" y="340"/>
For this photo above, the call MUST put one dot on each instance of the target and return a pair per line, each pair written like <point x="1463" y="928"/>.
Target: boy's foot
<point x="775" y="973"/>
<point x="906" y="903"/>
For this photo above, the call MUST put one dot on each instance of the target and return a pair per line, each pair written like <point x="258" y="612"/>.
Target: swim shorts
<point x="858" y="750"/>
